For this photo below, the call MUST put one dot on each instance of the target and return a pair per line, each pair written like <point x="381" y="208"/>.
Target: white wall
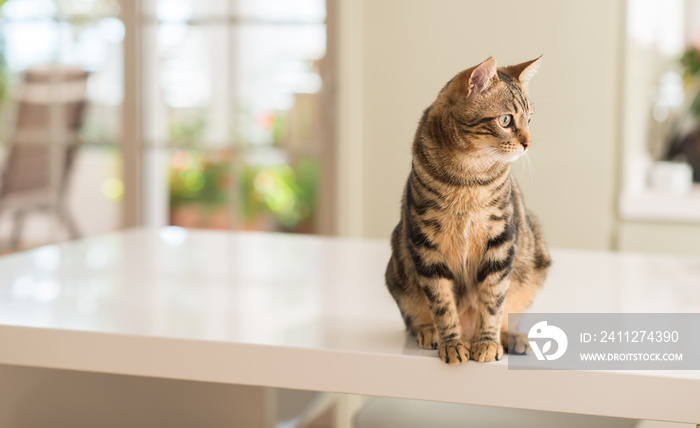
<point x="667" y="238"/>
<point x="405" y="50"/>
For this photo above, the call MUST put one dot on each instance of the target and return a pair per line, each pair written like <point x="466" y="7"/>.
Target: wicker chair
<point x="43" y="146"/>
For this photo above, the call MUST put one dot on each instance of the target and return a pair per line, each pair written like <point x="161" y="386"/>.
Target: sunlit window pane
<point x="236" y="94"/>
<point x="283" y="10"/>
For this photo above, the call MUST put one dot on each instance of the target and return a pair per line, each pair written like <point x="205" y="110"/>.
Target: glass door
<point x="235" y="117"/>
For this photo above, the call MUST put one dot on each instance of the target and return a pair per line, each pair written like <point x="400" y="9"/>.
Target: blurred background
<point x="298" y="116"/>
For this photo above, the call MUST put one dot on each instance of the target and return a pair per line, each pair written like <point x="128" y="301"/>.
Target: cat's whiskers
<point x="478" y="161"/>
<point x="531" y="169"/>
<point x="494" y="155"/>
<point x="485" y="162"/>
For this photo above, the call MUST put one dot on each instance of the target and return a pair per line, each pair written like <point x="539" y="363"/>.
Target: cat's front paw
<point x="455" y="352"/>
<point x="484" y="351"/>
<point x="515" y="342"/>
<point x="427" y="337"/>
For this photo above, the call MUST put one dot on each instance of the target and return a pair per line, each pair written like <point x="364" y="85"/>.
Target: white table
<point x="312" y="313"/>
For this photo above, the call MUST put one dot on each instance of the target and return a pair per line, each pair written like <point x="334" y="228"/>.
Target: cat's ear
<point x="524" y="72"/>
<point x="482" y="77"/>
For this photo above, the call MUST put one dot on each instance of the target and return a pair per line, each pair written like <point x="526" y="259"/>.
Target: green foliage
<point x="287" y="192"/>
<point x="695" y="106"/>
<point x="691" y="64"/>
<point x="195" y="178"/>
<point x="690" y="61"/>
<point x="279" y="126"/>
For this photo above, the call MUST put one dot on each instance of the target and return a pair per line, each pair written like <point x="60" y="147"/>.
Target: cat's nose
<point x="525" y="138"/>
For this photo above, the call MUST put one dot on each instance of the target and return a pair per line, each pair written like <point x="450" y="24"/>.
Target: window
<point x="234" y="105"/>
<point x="234" y="112"/>
<point x="661" y="85"/>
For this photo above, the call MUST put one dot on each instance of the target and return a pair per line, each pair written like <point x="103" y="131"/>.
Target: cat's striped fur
<point x="466" y="252"/>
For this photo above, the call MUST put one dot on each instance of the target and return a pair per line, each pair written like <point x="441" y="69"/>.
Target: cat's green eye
<point x="529" y="119"/>
<point x="505" y="120"/>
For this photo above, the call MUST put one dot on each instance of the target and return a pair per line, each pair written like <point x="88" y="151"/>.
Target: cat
<point x="466" y="252"/>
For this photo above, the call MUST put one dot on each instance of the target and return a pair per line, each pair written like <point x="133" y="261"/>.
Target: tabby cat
<point x="466" y="252"/>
